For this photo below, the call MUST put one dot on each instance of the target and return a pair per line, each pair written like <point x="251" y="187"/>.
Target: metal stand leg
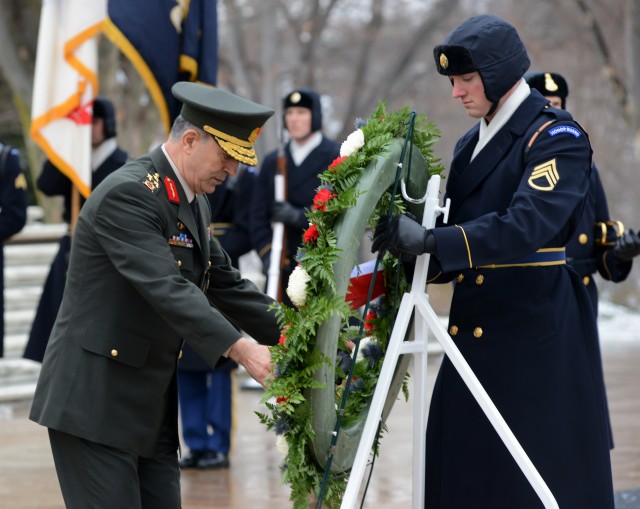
<point x="426" y="320"/>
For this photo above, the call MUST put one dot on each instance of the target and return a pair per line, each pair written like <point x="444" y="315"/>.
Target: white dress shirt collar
<point x="488" y="131"/>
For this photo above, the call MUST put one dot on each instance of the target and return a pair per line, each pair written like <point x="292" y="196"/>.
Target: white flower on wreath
<point x="297" y="287"/>
<point x="352" y="144"/>
<point x="364" y="342"/>
<point x="282" y="445"/>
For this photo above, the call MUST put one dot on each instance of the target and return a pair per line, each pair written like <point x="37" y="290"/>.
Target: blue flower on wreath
<point x="360" y="123"/>
<point x="373" y="353"/>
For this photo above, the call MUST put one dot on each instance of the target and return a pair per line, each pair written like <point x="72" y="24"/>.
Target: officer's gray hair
<point x="180" y="125"/>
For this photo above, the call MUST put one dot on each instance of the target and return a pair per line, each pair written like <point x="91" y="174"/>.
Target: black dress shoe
<point x="190" y="460"/>
<point x="212" y="459"/>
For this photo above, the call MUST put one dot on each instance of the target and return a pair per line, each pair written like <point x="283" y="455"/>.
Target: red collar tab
<point x="172" y="190"/>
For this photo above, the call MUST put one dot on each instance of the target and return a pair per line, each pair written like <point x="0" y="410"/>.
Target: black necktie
<point x="196" y="211"/>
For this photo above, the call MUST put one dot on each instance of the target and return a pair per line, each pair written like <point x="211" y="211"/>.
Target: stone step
<point x="18" y="321"/>
<point x="18" y="377"/>
<point x="38" y="233"/>
<point x="26" y="275"/>
<point x="14" y="345"/>
<point x="29" y="254"/>
<point x="26" y="297"/>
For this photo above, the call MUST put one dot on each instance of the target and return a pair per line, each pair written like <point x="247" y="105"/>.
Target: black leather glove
<point x="284" y="212"/>
<point x="402" y="235"/>
<point x="266" y="262"/>
<point x="627" y="247"/>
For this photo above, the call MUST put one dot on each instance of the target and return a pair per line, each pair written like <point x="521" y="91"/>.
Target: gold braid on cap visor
<point x="240" y="150"/>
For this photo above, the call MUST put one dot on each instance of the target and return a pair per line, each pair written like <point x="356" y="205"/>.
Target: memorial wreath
<point x="312" y="289"/>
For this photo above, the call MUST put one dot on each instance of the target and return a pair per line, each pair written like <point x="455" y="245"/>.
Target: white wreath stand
<point x="426" y="320"/>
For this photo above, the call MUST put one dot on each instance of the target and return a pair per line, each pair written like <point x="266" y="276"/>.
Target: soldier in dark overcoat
<point x="600" y="244"/>
<point x="13" y="211"/>
<point x="145" y="275"/>
<point x="106" y="158"/>
<point x="520" y="315"/>
<point x="206" y="395"/>
<point x="308" y="153"/>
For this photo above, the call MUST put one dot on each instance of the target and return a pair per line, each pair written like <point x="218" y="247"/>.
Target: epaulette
<point x="152" y="181"/>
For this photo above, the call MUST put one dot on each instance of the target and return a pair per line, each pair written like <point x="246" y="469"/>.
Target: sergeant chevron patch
<point x="544" y="176"/>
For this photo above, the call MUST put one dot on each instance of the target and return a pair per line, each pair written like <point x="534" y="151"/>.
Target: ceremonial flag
<point x="167" y="41"/>
<point x="360" y="281"/>
<point x="65" y="84"/>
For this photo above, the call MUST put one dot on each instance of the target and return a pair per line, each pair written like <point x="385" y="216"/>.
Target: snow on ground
<point x="618" y="324"/>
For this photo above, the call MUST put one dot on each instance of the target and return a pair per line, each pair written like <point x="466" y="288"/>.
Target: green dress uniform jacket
<point x="139" y="265"/>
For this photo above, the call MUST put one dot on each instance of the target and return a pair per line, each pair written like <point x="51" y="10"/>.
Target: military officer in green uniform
<point x="146" y="275"/>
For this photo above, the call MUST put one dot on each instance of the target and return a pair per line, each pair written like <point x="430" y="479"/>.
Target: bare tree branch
<point x="440" y="11"/>
<point x="238" y="56"/>
<point x="611" y="72"/>
<point x="362" y="67"/>
<point x="318" y="22"/>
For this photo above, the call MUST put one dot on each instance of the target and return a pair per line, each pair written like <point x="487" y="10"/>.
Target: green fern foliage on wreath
<point x="295" y="358"/>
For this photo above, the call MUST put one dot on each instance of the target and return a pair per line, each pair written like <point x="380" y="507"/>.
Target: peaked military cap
<point x="233" y="121"/>
<point x="549" y="84"/>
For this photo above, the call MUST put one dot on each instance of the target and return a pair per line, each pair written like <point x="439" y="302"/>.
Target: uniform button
<point x="583" y="238"/>
<point x="460" y="278"/>
<point x="179" y="263"/>
<point x="180" y="355"/>
<point x="477" y="332"/>
<point x="453" y="330"/>
<point x="586" y="280"/>
<point x="114" y="353"/>
<point x="480" y="279"/>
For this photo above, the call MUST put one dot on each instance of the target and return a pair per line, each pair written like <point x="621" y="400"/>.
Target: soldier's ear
<point x="189" y="137"/>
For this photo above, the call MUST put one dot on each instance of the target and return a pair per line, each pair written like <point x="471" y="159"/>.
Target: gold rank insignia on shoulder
<point x="152" y="181"/>
<point x="20" y="182"/>
<point x="544" y="176"/>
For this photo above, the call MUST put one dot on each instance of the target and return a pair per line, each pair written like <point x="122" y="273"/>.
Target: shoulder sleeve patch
<point x="544" y="176"/>
<point x="565" y="129"/>
<point x="20" y="182"/>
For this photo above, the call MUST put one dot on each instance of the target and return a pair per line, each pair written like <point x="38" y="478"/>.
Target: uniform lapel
<point x="184" y="213"/>
<point x="485" y="163"/>
<point x="488" y="159"/>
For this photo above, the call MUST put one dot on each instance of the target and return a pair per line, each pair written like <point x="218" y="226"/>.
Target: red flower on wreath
<point x="368" y="322"/>
<point x="336" y="162"/>
<point x="283" y="337"/>
<point x="321" y="199"/>
<point x="310" y="234"/>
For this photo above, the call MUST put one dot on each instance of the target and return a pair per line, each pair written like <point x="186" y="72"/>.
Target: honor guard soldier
<point x="13" y="211"/>
<point x="307" y="154"/>
<point x="206" y="395"/>
<point x="519" y="315"/>
<point x="145" y="275"/>
<point x="599" y="244"/>
<point x="106" y="157"/>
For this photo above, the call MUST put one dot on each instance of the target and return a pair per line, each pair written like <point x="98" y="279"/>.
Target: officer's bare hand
<point x="255" y="358"/>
